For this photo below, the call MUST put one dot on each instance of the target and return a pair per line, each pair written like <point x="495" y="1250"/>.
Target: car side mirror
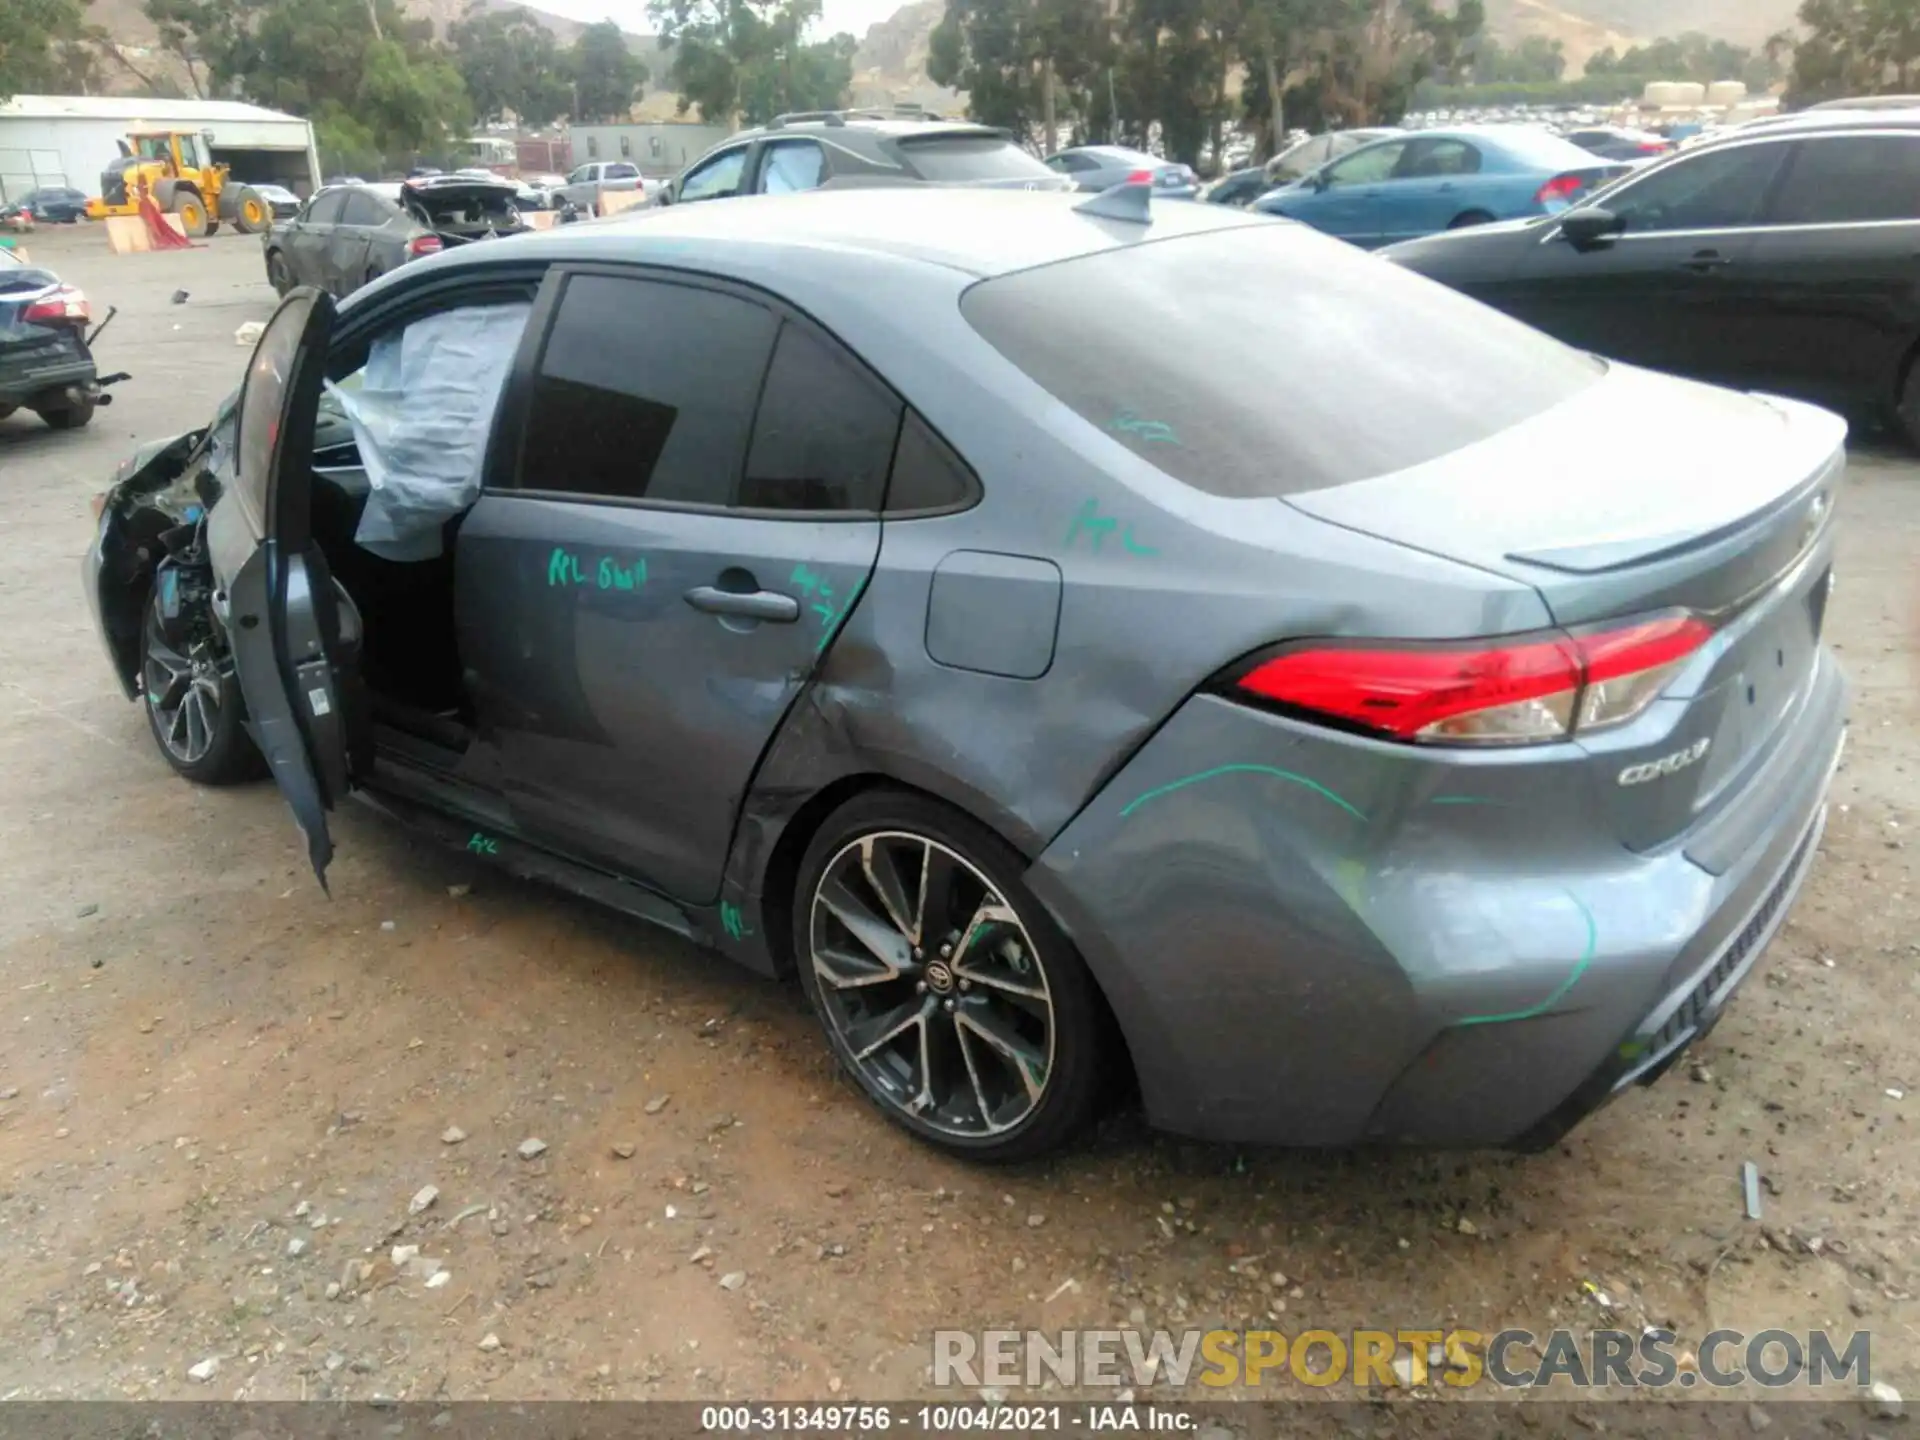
<point x="1588" y="229"/>
<point x="1318" y="182"/>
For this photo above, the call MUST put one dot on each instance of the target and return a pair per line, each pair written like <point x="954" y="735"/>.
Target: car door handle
<point x="1706" y="261"/>
<point x="748" y="605"/>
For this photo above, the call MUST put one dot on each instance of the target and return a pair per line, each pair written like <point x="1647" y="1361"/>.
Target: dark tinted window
<point x="618" y="171"/>
<point x="1850" y="178"/>
<point x="1264" y="360"/>
<point x="824" y="435"/>
<point x="646" y="390"/>
<point x="1712" y="190"/>
<point x="365" y="209"/>
<point x="950" y="159"/>
<point x="326" y="208"/>
<point x="927" y="475"/>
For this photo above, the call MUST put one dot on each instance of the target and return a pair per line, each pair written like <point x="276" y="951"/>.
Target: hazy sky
<point x="853" y="16"/>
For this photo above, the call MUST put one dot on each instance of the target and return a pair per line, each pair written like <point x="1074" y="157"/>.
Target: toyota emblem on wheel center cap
<point x="939" y="977"/>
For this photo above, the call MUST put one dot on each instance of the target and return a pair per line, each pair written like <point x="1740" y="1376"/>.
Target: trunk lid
<point x="1638" y="495"/>
<point x="463" y="208"/>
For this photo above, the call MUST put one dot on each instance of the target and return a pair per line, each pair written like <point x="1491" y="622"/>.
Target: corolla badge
<point x="1669" y="765"/>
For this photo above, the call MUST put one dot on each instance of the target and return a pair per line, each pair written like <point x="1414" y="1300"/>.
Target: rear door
<point x="350" y="260"/>
<point x="1833" y="275"/>
<point x="671" y="540"/>
<point x="1429" y="187"/>
<point x="290" y="633"/>
<point x="309" y="238"/>
<point x="1668" y="292"/>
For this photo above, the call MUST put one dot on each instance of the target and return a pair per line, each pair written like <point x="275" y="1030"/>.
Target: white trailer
<point x="70" y="139"/>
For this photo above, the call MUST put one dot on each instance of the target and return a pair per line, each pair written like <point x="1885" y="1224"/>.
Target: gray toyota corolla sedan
<point x="1345" y="715"/>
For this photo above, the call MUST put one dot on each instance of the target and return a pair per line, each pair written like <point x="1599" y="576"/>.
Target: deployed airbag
<point x="420" y="417"/>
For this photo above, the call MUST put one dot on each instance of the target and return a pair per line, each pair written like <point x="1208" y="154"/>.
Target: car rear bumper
<point x="22" y="382"/>
<point x="1336" y="941"/>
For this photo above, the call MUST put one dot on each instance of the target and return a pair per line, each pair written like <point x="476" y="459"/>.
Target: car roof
<point x="1821" y="122"/>
<point x="1114" y="152"/>
<point x="978" y="233"/>
<point x="840" y="122"/>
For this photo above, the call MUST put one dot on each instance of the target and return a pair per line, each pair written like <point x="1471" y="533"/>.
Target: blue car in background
<point x="1429" y="180"/>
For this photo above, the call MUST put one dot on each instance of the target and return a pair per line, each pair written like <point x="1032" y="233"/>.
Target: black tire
<point x="1907" y="411"/>
<point x="1054" y="1005"/>
<point x="278" y="275"/>
<point x="229" y="755"/>
<point x="71" y="417"/>
<point x="1470" y="219"/>
<point x="251" y="214"/>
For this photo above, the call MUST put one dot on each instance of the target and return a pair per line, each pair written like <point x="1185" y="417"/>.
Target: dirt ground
<point x="220" y="1090"/>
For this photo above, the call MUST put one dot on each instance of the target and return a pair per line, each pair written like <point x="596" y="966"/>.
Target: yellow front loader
<point x="178" y="169"/>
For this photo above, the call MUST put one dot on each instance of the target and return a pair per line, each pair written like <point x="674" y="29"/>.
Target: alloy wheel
<point x="184" y="693"/>
<point x="932" y="985"/>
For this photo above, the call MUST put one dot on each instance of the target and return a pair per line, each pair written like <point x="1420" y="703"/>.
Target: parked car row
<point x="350" y="235"/>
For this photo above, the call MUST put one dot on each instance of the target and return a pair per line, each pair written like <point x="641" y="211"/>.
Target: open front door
<point x="294" y="637"/>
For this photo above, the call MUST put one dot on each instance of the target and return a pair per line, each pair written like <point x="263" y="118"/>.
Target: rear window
<point x="1267" y="361"/>
<point x="955" y="159"/>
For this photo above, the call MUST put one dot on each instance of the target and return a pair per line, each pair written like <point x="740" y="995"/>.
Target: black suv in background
<point x="807" y="150"/>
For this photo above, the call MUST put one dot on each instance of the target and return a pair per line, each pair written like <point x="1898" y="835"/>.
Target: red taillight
<point x="1484" y="693"/>
<point x="1655" y="147"/>
<point x="424" y="245"/>
<point x="1140" y="177"/>
<point x="62" y="306"/>
<point x="1561" y="187"/>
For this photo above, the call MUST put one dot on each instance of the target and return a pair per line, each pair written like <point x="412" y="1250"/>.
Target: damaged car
<point x="46" y="358"/>
<point x="347" y="236"/>
<point x="905" y="591"/>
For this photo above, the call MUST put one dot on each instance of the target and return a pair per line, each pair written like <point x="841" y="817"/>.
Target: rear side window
<point x="958" y="159"/>
<point x="364" y="209"/>
<point x="645" y="391"/>
<point x="1426" y="159"/>
<point x="927" y="475"/>
<point x="825" y="432"/>
<point x="621" y="172"/>
<point x="1712" y="190"/>
<point x="791" y="165"/>
<point x="1265" y="360"/>
<point x="1839" y="180"/>
<point x="325" y="209"/>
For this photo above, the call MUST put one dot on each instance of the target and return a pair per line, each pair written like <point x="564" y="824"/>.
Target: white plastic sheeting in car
<point x="420" y="416"/>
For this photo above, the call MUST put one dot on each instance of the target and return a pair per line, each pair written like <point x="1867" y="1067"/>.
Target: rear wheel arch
<point x="780" y="876"/>
<point x="1466" y="219"/>
<point x="1905" y="399"/>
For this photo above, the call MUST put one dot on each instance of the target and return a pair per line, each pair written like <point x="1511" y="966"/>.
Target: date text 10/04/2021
<point x="955" y="1419"/>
